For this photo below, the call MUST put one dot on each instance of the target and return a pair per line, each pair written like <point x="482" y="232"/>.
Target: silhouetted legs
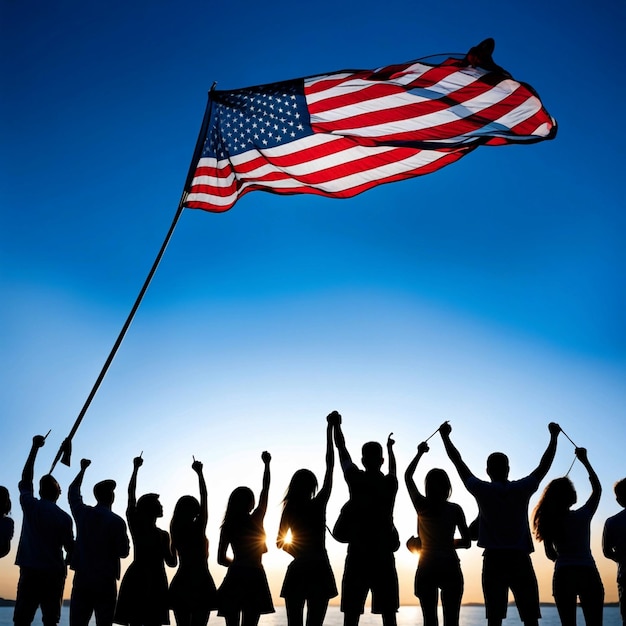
<point x="245" y="618"/>
<point x="571" y="583"/>
<point x="315" y="611"/>
<point x="186" y="617"/>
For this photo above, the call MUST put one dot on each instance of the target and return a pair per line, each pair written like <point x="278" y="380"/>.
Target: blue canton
<point x="257" y="117"/>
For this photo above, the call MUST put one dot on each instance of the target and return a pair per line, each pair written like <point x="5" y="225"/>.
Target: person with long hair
<point x="142" y="599"/>
<point x="302" y="534"/>
<point x="438" y="520"/>
<point x="192" y="590"/>
<point x="566" y="538"/>
<point x="6" y="523"/>
<point x="244" y="594"/>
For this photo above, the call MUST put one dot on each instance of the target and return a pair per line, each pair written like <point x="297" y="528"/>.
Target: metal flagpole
<point x="65" y="449"/>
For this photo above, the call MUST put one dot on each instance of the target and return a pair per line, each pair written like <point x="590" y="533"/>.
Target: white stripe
<point x="430" y="120"/>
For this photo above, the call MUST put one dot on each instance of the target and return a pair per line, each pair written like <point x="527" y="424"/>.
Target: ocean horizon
<point x="471" y="615"/>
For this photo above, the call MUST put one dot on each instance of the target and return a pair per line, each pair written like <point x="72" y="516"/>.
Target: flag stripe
<point x="343" y="133"/>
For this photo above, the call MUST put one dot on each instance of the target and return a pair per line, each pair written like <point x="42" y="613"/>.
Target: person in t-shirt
<point x="370" y="564"/>
<point x="439" y="568"/>
<point x="503" y="529"/>
<point x="566" y="536"/>
<point x="614" y="544"/>
<point x="101" y="541"/>
<point x="46" y="533"/>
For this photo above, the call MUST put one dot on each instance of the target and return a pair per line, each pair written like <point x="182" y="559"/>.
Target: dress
<point x="142" y="598"/>
<point x="309" y="576"/>
<point x="192" y="587"/>
<point x="245" y="587"/>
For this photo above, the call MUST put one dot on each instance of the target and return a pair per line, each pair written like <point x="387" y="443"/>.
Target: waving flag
<point x="340" y="134"/>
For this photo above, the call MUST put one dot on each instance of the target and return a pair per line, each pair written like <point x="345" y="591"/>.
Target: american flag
<point x="340" y="134"/>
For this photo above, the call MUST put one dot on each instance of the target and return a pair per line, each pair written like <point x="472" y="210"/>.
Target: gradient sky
<point x="491" y="293"/>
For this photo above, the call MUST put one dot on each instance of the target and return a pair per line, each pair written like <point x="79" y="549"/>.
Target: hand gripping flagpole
<point x="65" y="450"/>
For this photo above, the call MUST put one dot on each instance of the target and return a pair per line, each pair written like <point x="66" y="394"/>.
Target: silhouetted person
<point x="302" y="533"/>
<point x="614" y="544"/>
<point x="503" y="529"/>
<point x="192" y="592"/>
<point x="439" y="566"/>
<point x="244" y="593"/>
<point x="142" y="600"/>
<point x="370" y="564"/>
<point x="46" y="532"/>
<point x="6" y="523"/>
<point x="566" y="536"/>
<point x="101" y="541"/>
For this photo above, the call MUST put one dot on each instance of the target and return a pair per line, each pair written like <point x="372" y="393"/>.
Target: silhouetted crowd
<point x="365" y="523"/>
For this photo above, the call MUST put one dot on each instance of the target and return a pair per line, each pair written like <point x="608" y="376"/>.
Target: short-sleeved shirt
<point x="503" y="512"/>
<point x="46" y="530"/>
<point x="374" y="496"/>
<point x="614" y="538"/>
<point x="436" y="528"/>
<point x="573" y="546"/>
<point x="101" y="540"/>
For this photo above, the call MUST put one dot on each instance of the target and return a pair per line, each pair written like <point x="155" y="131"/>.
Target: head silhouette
<point x="302" y="486"/>
<point x="437" y="485"/>
<point x="104" y="492"/>
<point x="186" y="510"/>
<point x="620" y="492"/>
<point x="556" y="500"/>
<point x="240" y="503"/>
<point x="149" y="507"/>
<point x="5" y="501"/>
<point x="372" y="455"/>
<point x="49" y="488"/>
<point x="498" y="466"/>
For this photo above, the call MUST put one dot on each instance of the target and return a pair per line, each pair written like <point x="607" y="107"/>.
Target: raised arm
<point x="29" y="467"/>
<point x="392" y="457"/>
<point x="332" y="420"/>
<point x="340" y="442"/>
<point x="548" y="456"/>
<point x="265" y="489"/>
<point x="596" y="488"/>
<point x="196" y="466"/>
<point x="73" y="493"/>
<point x="416" y="497"/>
<point x="453" y="454"/>
<point x="132" y="485"/>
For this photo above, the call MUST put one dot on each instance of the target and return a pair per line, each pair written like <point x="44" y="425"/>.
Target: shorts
<point x="438" y="574"/>
<point x="510" y="569"/>
<point x="39" y="588"/>
<point x="365" y="572"/>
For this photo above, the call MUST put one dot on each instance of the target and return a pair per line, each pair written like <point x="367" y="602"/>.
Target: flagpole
<point x="66" y="447"/>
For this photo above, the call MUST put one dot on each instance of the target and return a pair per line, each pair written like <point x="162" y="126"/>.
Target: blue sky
<point x="491" y="293"/>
